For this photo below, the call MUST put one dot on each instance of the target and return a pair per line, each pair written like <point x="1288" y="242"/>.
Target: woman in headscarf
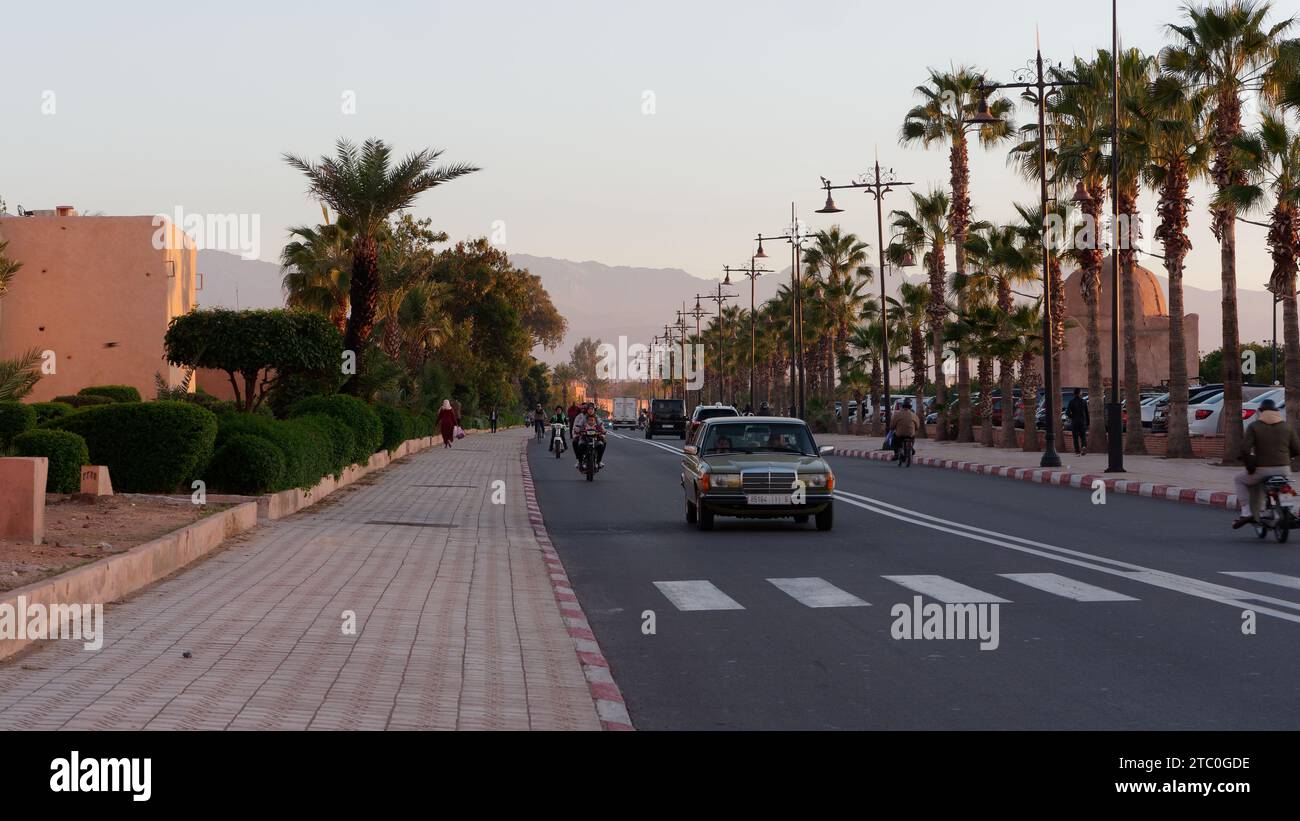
<point x="447" y="423"/>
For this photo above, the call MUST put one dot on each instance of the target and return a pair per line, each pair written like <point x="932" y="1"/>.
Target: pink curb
<point x="610" y="707"/>
<point x="1048" y="476"/>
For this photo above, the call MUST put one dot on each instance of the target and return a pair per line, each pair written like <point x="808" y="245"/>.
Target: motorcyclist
<point x="904" y="425"/>
<point x="1268" y="448"/>
<point x="588" y="419"/>
<point x="562" y="419"/>
<point x="640" y="419"/>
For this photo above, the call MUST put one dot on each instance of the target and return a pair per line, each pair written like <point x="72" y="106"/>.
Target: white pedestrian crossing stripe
<point x="946" y="590"/>
<point x="697" y="595"/>
<point x="1278" y="579"/>
<point x="816" y="592"/>
<point x="1059" y="585"/>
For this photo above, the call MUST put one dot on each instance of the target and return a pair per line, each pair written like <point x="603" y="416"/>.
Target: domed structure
<point x="1153" y="331"/>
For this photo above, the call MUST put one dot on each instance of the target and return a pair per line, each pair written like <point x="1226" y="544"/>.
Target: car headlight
<point x="725" y="480"/>
<point x="818" y="480"/>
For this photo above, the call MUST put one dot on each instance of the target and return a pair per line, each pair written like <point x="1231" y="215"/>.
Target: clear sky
<point x="160" y="105"/>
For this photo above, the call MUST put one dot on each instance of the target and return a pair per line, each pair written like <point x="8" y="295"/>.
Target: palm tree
<point x="948" y="101"/>
<point x="315" y="268"/>
<point x="911" y="311"/>
<point x="1173" y="129"/>
<point x="364" y="187"/>
<point x="1270" y="157"/>
<point x="838" y="259"/>
<point x="975" y="333"/>
<point x="1001" y="264"/>
<point x="926" y="231"/>
<point x="1026" y="324"/>
<point x="1227" y="49"/>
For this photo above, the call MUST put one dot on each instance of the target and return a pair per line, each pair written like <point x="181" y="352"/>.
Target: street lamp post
<point x="878" y="185"/>
<point x="796" y="239"/>
<point x="753" y="272"/>
<point x="1042" y="87"/>
<point x="719" y="298"/>
<point x="698" y="312"/>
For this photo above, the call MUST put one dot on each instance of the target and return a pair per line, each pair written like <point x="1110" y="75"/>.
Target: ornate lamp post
<point x="796" y="238"/>
<point x="753" y="272"/>
<point x="878" y="185"/>
<point x="719" y="298"/>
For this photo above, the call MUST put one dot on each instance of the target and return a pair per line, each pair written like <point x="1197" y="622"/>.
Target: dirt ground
<point x="78" y="532"/>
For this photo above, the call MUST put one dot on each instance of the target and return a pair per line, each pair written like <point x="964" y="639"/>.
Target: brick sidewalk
<point x="458" y="626"/>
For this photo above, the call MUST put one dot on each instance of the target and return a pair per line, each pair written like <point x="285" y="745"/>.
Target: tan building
<point x="1153" y="332"/>
<point x="98" y="294"/>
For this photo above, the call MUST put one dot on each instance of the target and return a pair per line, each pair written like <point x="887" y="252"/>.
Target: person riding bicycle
<point x="583" y="421"/>
<point x="539" y="421"/>
<point x="561" y="418"/>
<point x="905" y="423"/>
<point x="1269" y="447"/>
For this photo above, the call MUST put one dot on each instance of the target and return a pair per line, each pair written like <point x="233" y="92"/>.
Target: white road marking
<point x="697" y="595"/>
<point x="1236" y="599"/>
<point x="1278" y="579"/>
<point x="816" y="592"/>
<point x="946" y="590"/>
<point x="1059" y="585"/>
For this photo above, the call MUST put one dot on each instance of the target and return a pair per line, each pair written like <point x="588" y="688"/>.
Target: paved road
<point x="1118" y="616"/>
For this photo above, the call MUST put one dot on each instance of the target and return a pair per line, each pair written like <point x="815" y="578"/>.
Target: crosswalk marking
<point x="1278" y="579"/>
<point x="946" y="590"/>
<point x="817" y="592"/>
<point x="1059" y="585"/>
<point x="697" y="595"/>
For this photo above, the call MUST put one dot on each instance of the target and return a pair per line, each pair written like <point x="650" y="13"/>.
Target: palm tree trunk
<point x="985" y="370"/>
<point x="1225" y="173"/>
<point x="1029" y="383"/>
<point x="918" y="376"/>
<point x="1058" y="347"/>
<point x="364" y="296"/>
<point x="877" y="419"/>
<point x="1090" y="287"/>
<point x="1284" y="243"/>
<point x="1133" y="439"/>
<point x="1173" y="207"/>
<point x="938" y="312"/>
<point x="958" y="225"/>
<point x="1007" y="382"/>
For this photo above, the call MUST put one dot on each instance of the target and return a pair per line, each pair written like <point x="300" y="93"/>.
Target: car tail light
<point x="1286" y="489"/>
<point x="1202" y="414"/>
<point x="1246" y="413"/>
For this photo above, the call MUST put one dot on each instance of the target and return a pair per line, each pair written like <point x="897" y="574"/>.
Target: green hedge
<point x="149" y="447"/>
<point x="79" y="401"/>
<point x="118" y="393"/>
<point x="248" y="465"/>
<point x="15" y="418"/>
<point x="366" y="425"/>
<point x="395" y="426"/>
<point x="45" y="411"/>
<point x="339" y="435"/>
<point x="307" y="456"/>
<point x="66" y="451"/>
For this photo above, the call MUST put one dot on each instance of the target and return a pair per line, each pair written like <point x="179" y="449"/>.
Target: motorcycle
<point x="557" y="439"/>
<point x="588" y="464"/>
<point x="1277" y="517"/>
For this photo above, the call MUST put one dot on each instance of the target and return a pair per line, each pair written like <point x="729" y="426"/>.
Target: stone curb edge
<point x="1049" y="476"/>
<point x="610" y="707"/>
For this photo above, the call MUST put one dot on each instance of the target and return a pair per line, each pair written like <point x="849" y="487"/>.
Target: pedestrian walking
<point x="1077" y="413"/>
<point x="447" y="422"/>
<point x="492" y="417"/>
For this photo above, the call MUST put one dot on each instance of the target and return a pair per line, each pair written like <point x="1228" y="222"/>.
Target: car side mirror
<point x="825" y="450"/>
<point x="690" y="450"/>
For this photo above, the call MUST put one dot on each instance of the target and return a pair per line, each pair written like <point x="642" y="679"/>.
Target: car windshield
<point x="764" y="437"/>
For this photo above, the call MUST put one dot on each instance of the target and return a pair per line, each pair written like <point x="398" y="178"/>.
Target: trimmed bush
<point x="339" y="435"/>
<point x="15" y="418"/>
<point x="118" y="393"/>
<point x="247" y="465"/>
<point x="307" y="454"/>
<point x="45" y="411"/>
<point x="66" y="451"/>
<point x="79" y="401"/>
<point x="361" y="418"/>
<point x="394" y="426"/>
<point x="149" y="447"/>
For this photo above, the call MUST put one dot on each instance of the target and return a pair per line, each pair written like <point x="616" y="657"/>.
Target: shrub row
<point x="117" y="393"/>
<point x="15" y="418"/>
<point x="66" y="451"/>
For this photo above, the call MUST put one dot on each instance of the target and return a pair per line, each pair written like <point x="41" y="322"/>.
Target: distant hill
<point x="605" y="301"/>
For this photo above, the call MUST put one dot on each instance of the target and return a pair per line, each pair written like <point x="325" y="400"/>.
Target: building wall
<point x="96" y="292"/>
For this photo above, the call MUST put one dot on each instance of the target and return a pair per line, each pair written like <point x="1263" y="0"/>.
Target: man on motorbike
<point x="904" y="425"/>
<point x="1268" y="448"/>
<point x="588" y="420"/>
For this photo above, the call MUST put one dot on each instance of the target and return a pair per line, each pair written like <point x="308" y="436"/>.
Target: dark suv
<point x="666" y="416"/>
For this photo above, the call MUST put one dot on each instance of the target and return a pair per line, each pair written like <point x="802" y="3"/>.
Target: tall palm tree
<point x="838" y="259"/>
<point x="1270" y="157"/>
<point x="365" y="187"/>
<point x="925" y="230"/>
<point x="1227" y="48"/>
<point x="911" y="312"/>
<point x="1172" y="127"/>
<point x="948" y="101"/>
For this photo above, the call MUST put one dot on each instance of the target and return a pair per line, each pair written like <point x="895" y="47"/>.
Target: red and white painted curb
<point x="610" y="707"/>
<point x="1048" y="476"/>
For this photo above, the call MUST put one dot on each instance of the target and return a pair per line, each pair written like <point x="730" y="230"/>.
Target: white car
<point x="1203" y="417"/>
<point x="1149" y="408"/>
<point x="1250" y="409"/>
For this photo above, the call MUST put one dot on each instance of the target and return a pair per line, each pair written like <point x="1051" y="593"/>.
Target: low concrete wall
<point x="113" y="577"/>
<point x="116" y="576"/>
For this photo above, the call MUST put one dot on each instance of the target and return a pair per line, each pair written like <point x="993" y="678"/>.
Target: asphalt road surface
<point x="1135" y="614"/>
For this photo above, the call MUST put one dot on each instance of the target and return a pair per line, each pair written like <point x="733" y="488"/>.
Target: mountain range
<point x="604" y="301"/>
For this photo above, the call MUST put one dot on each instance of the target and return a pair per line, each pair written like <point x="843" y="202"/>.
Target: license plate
<point x="769" y="498"/>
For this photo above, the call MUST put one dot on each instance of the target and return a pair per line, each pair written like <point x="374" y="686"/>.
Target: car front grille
<point x="763" y="481"/>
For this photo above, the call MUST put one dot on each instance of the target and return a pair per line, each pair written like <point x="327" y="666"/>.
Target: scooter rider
<point x="589" y="419"/>
<point x="562" y="419"/>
